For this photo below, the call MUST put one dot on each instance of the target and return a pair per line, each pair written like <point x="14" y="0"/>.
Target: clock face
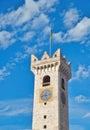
<point x="46" y="94"/>
<point x="63" y="98"/>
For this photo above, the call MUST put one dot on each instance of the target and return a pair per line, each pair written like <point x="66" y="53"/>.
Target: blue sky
<point x="25" y="29"/>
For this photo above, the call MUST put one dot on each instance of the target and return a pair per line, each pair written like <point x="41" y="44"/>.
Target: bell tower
<point x="50" y="108"/>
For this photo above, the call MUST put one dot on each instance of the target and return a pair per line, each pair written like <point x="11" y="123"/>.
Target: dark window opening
<point x="63" y="84"/>
<point x="45" y="116"/>
<point x="46" y="80"/>
<point x="45" y="58"/>
<point x="55" y="55"/>
<point x="34" y="60"/>
<point x="45" y="103"/>
<point x="44" y="126"/>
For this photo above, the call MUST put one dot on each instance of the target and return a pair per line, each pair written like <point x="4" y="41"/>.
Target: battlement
<point x="47" y="63"/>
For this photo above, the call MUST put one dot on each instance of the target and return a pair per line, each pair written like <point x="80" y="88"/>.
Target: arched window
<point x="63" y="84"/>
<point x="46" y="80"/>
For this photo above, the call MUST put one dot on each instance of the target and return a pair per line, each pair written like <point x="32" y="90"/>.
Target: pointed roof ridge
<point x="45" y="56"/>
<point x="34" y="58"/>
<point x="57" y="53"/>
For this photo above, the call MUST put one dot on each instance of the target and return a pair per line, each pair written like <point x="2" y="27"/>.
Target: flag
<point x="51" y="34"/>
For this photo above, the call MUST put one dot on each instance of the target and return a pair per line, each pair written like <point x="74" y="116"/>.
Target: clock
<point x="46" y="94"/>
<point x="63" y="98"/>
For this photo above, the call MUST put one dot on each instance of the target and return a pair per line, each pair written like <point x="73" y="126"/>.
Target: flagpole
<point x="50" y="42"/>
<point x="50" y="47"/>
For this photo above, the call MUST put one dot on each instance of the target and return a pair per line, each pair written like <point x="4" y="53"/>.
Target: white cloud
<point x="31" y="8"/>
<point x="87" y="115"/>
<point x="27" y="18"/>
<point x="6" y="39"/>
<point x="27" y="51"/>
<point x="15" y="107"/>
<point x="19" y="16"/>
<point x="81" y="99"/>
<point x="40" y="21"/>
<point x="46" y="5"/>
<point x="82" y="72"/>
<point x="25" y="12"/>
<point x="36" y="18"/>
<point x="71" y="17"/>
<point x="6" y="70"/>
<point x="78" y="106"/>
<point x="58" y="37"/>
<point x="79" y="32"/>
<point x="4" y="73"/>
<point x="46" y="30"/>
<point x="27" y="36"/>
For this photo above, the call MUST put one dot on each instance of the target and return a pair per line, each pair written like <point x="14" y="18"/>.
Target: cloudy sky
<point x="25" y="29"/>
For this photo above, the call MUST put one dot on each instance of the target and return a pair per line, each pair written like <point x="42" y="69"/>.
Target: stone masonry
<point x="54" y="109"/>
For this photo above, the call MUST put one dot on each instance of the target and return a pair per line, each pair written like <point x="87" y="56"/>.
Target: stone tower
<point x="50" y="109"/>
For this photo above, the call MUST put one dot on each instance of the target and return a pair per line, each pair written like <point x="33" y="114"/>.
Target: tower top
<point x="46" y="61"/>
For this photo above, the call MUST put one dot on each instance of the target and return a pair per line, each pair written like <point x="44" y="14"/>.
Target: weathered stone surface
<point x="56" y="112"/>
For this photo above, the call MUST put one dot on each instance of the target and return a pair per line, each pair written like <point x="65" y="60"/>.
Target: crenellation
<point x="33" y="59"/>
<point x="57" y="54"/>
<point x="64" y="58"/>
<point x="69" y="64"/>
<point x="57" y="57"/>
<point x="45" y="56"/>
